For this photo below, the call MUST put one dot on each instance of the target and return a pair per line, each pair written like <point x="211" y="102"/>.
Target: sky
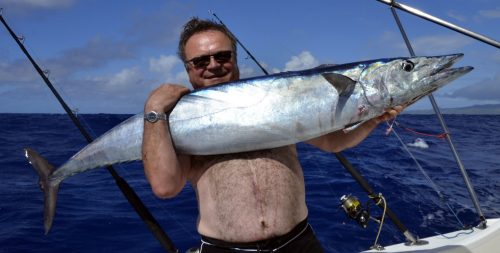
<point x="107" y="56"/>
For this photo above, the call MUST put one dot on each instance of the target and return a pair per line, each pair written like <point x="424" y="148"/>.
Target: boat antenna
<point x="465" y="176"/>
<point x="125" y="188"/>
<point x="352" y="170"/>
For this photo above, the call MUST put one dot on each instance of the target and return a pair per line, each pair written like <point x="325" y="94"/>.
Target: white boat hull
<point x="478" y="241"/>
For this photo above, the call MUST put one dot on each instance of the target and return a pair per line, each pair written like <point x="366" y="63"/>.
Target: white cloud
<point x="37" y="4"/>
<point x="182" y="78"/>
<point x="455" y="15"/>
<point x="122" y="81"/>
<point x="486" y="89"/>
<point x="391" y="43"/>
<point x="275" y="70"/>
<point x="490" y="13"/>
<point x="304" y="60"/>
<point x="440" y="43"/>
<point x="170" y="69"/>
<point x="247" y="71"/>
<point x="124" y="78"/>
<point x="164" y="63"/>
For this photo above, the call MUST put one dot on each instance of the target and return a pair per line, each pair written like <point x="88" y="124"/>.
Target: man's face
<point x="206" y="71"/>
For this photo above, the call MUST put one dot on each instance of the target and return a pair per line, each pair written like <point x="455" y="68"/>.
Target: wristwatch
<point x="153" y="116"/>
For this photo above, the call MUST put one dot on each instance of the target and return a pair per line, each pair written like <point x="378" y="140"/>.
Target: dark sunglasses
<point x="204" y="60"/>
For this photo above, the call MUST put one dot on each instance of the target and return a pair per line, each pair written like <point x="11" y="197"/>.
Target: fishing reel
<point x="355" y="210"/>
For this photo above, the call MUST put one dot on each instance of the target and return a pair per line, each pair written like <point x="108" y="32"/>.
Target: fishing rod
<point x="241" y="44"/>
<point x="465" y="176"/>
<point x="125" y="188"/>
<point x="351" y="169"/>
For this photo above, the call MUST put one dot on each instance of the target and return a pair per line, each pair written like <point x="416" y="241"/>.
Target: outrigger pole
<point x="465" y="176"/>
<point x="441" y="22"/>
<point x="348" y="166"/>
<point x="125" y="188"/>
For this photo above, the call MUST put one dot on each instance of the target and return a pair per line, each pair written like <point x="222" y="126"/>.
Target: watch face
<point x="152" y="117"/>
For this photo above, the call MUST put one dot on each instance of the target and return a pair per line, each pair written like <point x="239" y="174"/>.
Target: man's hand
<point x="165" y="97"/>
<point x="389" y="114"/>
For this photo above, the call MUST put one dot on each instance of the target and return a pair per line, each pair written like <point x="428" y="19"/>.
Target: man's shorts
<point x="300" y="239"/>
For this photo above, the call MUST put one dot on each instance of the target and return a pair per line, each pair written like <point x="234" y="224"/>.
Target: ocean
<point x="93" y="216"/>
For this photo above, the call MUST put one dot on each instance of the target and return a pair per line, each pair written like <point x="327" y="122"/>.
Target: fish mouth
<point x="446" y="61"/>
<point x="447" y="75"/>
<point x="442" y="74"/>
<point x="442" y="78"/>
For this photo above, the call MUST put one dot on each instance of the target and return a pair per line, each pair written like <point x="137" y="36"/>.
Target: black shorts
<point x="300" y="239"/>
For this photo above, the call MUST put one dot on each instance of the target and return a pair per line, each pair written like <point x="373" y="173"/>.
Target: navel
<point x="263" y="224"/>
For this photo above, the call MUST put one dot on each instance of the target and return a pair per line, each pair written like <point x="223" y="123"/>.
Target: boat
<point x="480" y="240"/>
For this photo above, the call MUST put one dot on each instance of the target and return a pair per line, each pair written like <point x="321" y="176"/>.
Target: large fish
<point x="264" y="112"/>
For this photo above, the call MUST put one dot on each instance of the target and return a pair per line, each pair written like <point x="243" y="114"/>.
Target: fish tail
<point x="50" y="189"/>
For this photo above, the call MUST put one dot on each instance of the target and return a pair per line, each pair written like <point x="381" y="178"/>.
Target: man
<point x="251" y="201"/>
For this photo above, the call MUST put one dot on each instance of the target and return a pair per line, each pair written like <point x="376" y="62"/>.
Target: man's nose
<point x="213" y="63"/>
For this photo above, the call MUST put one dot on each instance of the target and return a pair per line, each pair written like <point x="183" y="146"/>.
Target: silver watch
<point x="153" y="116"/>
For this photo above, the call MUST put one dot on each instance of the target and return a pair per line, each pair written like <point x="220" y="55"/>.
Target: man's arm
<point x="165" y="170"/>
<point x="338" y="140"/>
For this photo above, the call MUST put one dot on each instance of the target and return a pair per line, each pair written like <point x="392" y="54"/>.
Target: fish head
<point x="403" y="81"/>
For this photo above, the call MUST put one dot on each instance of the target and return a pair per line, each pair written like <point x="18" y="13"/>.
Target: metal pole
<point x="441" y="22"/>
<point x="125" y="188"/>
<point x="241" y="44"/>
<point x="465" y="176"/>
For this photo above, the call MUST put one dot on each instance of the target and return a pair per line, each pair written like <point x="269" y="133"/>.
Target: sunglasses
<point x="204" y="60"/>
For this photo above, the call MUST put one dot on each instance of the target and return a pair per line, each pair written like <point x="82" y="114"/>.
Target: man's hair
<point x="196" y="25"/>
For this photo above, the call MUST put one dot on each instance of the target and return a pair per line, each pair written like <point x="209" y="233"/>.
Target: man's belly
<point x="251" y="198"/>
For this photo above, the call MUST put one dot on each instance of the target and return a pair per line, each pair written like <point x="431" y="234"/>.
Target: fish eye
<point x="407" y="65"/>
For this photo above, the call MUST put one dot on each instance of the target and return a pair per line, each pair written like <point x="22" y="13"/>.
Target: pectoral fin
<point x="343" y="84"/>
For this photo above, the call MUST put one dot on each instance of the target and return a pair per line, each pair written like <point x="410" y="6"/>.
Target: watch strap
<point x="154" y="116"/>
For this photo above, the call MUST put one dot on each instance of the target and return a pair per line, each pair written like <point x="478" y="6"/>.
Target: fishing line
<point x="439" y="136"/>
<point x="126" y="172"/>
<point x="471" y="230"/>
<point x="433" y="185"/>
<point x="123" y="171"/>
<point x="47" y="73"/>
<point x="465" y="175"/>
<point x="353" y="171"/>
<point x="127" y="191"/>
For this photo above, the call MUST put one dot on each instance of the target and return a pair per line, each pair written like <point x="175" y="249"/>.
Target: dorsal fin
<point x="343" y="84"/>
<point x="326" y="65"/>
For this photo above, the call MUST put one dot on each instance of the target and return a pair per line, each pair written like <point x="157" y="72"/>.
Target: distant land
<point x="491" y="109"/>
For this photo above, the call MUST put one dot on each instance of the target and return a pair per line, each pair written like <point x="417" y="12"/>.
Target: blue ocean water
<point x="93" y="216"/>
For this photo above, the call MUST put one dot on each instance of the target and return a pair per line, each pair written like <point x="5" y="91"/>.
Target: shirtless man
<point x="247" y="201"/>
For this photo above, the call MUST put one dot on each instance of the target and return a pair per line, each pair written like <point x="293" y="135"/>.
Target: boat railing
<point x="395" y="5"/>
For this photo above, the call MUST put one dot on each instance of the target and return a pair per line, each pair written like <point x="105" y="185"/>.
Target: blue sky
<point x="106" y="56"/>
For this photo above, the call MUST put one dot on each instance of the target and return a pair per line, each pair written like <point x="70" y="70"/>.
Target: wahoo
<point x="264" y="112"/>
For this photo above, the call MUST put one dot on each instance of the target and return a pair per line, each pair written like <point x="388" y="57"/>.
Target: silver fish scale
<point x="253" y="116"/>
<point x="121" y="144"/>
